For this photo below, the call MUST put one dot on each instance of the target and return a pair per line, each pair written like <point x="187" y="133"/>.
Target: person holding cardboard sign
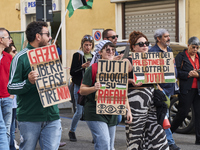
<point x="102" y="126"/>
<point x="144" y="132"/>
<point x="80" y="62"/>
<point x="35" y="121"/>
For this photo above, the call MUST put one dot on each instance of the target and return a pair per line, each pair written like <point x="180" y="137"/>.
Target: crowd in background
<point x="143" y="129"/>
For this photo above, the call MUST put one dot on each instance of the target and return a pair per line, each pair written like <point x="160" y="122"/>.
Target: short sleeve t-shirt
<point x="90" y="105"/>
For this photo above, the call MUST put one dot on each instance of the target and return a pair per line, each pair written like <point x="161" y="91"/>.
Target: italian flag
<point x="78" y="4"/>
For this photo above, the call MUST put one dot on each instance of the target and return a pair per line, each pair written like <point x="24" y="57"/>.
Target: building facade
<point x="179" y="17"/>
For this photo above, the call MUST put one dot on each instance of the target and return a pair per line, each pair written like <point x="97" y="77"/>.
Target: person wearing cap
<point x="188" y="63"/>
<point x="80" y="62"/>
<point x="102" y="126"/>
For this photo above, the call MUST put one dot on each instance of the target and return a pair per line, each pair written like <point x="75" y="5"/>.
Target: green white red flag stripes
<point x="78" y="4"/>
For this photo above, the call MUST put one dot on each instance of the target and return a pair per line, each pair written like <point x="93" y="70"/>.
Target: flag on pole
<point x="78" y="4"/>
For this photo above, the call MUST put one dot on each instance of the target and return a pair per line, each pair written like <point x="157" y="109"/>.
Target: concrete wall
<point x="10" y="17"/>
<point x="102" y="15"/>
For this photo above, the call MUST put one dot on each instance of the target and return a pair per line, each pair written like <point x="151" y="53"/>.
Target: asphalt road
<point x="84" y="137"/>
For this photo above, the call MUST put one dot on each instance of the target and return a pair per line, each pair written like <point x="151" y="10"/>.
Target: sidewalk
<point x="84" y="137"/>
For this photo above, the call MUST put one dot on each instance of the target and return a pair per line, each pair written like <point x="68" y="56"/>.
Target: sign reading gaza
<point x="51" y="82"/>
<point x="153" y="67"/>
<point x="113" y="76"/>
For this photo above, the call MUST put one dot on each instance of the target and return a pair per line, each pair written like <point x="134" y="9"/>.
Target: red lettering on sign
<point x="43" y="54"/>
<point x="154" y="77"/>
<point x="63" y="93"/>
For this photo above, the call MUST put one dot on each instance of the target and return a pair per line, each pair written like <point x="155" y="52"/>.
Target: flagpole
<point x="60" y="27"/>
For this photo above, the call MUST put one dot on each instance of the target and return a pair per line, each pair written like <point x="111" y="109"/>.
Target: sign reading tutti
<point x="51" y="82"/>
<point x="152" y="67"/>
<point x="111" y="98"/>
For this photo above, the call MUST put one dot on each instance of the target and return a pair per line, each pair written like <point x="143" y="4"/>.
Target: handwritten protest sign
<point x="153" y="67"/>
<point x="113" y="76"/>
<point x="51" y="82"/>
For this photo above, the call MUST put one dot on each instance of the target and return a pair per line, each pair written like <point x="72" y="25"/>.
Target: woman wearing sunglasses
<point x="80" y="62"/>
<point x="188" y="66"/>
<point x="102" y="126"/>
<point x="144" y="132"/>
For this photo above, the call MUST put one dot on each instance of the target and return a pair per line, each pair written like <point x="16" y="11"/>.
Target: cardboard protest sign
<point x="51" y="82"/>
<point x="113" y="76"/>
<point x="155" y="67"/>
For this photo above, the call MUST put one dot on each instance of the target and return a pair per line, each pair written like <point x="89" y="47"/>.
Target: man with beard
<point x="35" y="122"/>
<point x="162" y="38"/>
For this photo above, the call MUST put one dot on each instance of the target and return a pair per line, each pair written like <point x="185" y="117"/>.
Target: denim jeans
<point x="3" y="138"/>
<point x="79" y="110"/>
<point x="48" y="133"/>
<point x="103" y="135"/>
<point x="6" y="109"/>
<point x="12" y="130"/>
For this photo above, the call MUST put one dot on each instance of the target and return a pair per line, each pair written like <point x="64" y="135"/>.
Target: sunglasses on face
<point x="14" y="51"/>
<point x="141" y="44"/>
<point x="48" y="34"/>
<point x="88" y="37"/>
<point x="108" y="50"/>
<point x="113" y="37"/>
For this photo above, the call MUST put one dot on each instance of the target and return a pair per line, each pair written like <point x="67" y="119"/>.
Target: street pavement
<point x="84" y="137"/>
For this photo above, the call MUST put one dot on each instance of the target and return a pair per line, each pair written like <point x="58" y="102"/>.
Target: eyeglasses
<point x="48" y="34"/>
<point x="9" y="37"/>
<point x="113" y="37"/>
<point x="88" y="37"/>
<point x="109" y="50"/>
<point x="14" y="51"/>
<point x="193" y="47"/>
<point x="141" y="44"/>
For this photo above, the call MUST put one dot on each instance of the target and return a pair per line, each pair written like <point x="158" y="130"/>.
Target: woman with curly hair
<point x="144" y="132"/>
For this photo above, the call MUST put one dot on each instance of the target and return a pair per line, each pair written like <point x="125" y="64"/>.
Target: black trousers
<point x="185" y="102"/>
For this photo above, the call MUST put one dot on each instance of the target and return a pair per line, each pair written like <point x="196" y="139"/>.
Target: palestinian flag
<point x="121" y="86"/>
<point x="78" y="4"/>
<point x="170" y="78"/>
<point x="103" y="85"/>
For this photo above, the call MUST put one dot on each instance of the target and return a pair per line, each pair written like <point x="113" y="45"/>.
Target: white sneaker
<point x="16" y="146"/>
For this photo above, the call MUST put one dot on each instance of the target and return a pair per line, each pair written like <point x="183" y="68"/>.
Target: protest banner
<point x="152" y="67"/>
<point x="51" y="81"/>
<point x="111" y="97"/>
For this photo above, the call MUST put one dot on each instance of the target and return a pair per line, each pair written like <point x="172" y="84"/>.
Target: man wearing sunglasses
<point x="162" y="38"/>
<point x="110" y="35"/>
<point x="35" y="122"/>
<point x="6" y="99"/>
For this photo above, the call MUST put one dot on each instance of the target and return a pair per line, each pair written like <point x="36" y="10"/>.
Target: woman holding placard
<point x="102" y="126"/>
<point x="144" y="132"/>
<point x="80" y="62"/>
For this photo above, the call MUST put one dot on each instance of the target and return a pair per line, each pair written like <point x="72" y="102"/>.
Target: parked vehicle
<point x="187" y="125"/>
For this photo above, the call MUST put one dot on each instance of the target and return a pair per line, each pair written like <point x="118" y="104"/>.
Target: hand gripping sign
<point x="111" y="98"/>
<point x="51" y="82"/>
<point x="154" y="67"/>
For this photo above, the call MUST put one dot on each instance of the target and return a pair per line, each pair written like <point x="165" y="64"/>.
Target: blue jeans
<point x="48" y="133"/>
<point x="6" y="109"/>
<point x="119" y="119"/>
<point x="12" y="130"/>
<point x="103" y="135"/>
<point x="3" y="138"/>
<point x="79" y="110"/>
